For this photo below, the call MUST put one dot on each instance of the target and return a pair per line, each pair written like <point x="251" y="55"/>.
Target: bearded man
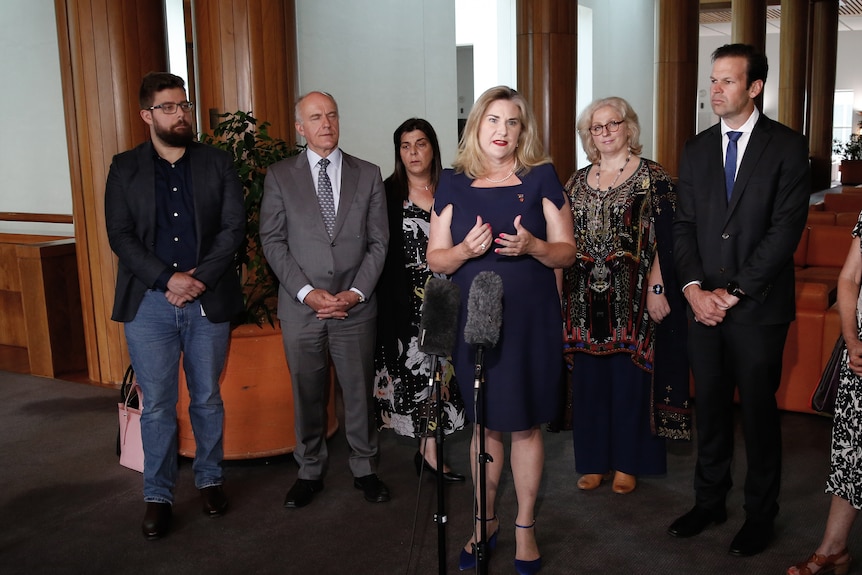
<point x="175" y="218"/>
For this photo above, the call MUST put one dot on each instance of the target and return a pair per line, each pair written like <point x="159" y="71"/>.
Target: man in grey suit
<point x="742" y="203"/>
<point x="175" y="218"/>
<point x="325" y="233"/>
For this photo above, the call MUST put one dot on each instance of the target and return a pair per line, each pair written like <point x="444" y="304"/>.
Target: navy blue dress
<point x="523" y="372"/>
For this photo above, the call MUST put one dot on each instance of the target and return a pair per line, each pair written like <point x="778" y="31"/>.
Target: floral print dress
<point x="404" y="401"/>
<point x="845" y="479"/>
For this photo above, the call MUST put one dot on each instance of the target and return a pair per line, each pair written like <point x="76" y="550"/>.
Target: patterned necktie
<point x="730" y="162"/>
<point x="324" y="196"/>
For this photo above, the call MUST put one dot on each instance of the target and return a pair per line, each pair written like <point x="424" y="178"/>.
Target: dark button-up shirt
<point x="176" y="240"/>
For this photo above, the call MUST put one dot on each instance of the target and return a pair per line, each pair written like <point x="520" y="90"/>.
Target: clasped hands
<point x="709" y="307"/>
<point x="329" y="306"/>
<point x="184" y="288"/>
<point x="480" y="238"/>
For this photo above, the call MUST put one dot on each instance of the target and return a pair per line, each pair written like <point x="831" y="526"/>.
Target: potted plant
<point x="253" y="150"/>
<point x="255" y="385"/>
<point x="851" y="158"/>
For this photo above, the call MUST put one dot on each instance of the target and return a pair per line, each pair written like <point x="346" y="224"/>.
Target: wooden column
<point x="748" y="23"/>
<point x="748" y="26"/>
<point x="106" y="47"/>
<point x="824" y="55"/>
<point x="794" y="55"/>
<point x="246" y="60"/>
<point x="547" y="65"/>
<point x="676" y="79"/>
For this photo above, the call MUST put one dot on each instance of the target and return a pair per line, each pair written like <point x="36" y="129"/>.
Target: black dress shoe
<point x="214" y="501"/>
<point x="696" y="521"/>
<point x="302" y="492"/>
<point x="374" y="489"/>
<point x="157" y="520"/>
<point x="448" y="476"/>
<point x="753" y="538"/>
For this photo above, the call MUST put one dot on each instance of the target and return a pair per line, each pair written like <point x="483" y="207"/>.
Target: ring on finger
<point x="482" y="247"/>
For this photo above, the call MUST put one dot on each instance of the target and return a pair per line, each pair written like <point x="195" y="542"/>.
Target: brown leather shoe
<point x="214" y="501"/>
<point x="157" y="520"/>
<point x="624" y="483"/>
<point x="590" y="481"/>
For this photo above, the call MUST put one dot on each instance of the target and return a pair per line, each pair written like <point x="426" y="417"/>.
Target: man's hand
<point x="709" y="307"/>
<point x="183" y="288"/>
<point x="328" y="306"/>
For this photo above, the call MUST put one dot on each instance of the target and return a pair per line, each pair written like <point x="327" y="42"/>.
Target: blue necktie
<point x="324" y="196"/>
<point x="730" y="162"/>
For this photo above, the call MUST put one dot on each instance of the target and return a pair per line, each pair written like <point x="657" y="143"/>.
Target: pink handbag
<point x="131" y="446"/>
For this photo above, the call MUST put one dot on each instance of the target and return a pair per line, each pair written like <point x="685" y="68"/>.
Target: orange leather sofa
<point x="818" y="260"/>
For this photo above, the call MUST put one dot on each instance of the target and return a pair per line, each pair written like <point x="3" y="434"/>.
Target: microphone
<point x="439" y="323"/>
<point x="484" y="316"/>
<point x="484" y="310"/>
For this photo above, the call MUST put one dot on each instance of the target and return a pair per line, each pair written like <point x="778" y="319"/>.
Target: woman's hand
<point x="515" y="245"/>
<point x="854" y="353"/>
<point x="657" y="306"/>
<point x="478" y="239"/>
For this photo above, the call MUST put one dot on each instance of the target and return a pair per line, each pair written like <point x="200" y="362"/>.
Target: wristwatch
<point x="734" y="290"/>
<point x="657" y="289"/>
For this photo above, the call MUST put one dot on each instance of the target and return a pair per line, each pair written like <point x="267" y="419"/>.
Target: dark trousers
<point x="746" y="358"/>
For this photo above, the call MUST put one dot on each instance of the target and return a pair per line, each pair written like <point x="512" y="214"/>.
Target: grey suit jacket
<point x="130" y="218"/>
<point x="752" y="238"/>
<point x="300" y="251"/>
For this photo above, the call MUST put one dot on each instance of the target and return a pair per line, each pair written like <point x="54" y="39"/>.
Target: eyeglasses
<point x="171" y="107"/>
<point x="612" y="126"/>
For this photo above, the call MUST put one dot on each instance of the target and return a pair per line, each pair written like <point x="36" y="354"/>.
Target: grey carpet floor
<point x="67" y="506"/>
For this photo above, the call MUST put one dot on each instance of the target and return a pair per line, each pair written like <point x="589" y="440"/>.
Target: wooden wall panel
<point x="246" y="60"/>
<point x="106" y="47"/>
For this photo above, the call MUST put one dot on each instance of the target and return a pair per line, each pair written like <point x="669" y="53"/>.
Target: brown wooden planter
<point x="258" y="398"/>
<point x="851" y="171"/>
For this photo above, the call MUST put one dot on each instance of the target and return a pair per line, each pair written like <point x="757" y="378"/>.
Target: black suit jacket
<point x="130" y="217"/>
<point x="750" y="239"/>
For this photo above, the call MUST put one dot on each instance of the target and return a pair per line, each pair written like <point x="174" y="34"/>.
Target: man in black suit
<point x="175" y="218"/>
<point x="743" y="199"/>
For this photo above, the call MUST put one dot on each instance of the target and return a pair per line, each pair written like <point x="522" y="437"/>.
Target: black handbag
<point x="823" y="398"/>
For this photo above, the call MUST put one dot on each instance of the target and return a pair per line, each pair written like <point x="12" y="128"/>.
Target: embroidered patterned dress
<point x="403" y="399"/>
<point x="622" y="403"/>
<point x="845" y="478"/>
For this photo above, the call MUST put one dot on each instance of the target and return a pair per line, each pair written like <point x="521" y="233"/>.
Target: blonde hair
<point x="529" y="153"/>
<point x="629" y="117"/>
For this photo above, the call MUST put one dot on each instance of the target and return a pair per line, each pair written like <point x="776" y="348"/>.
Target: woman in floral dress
<point x="404" y="401"/>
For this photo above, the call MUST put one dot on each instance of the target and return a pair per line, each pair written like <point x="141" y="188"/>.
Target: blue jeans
<point x="156" y="337"/>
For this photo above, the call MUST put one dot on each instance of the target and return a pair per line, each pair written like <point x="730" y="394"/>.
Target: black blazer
<point x="752" y="238"/>
<point x="130" y="217"/>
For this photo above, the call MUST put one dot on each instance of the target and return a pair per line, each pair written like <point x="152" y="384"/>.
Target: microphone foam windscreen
<point x="484" y="310"/>
<point x="439" y="323"/>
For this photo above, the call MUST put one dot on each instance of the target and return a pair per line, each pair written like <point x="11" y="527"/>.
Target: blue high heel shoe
<point x="528" y="567"/>
<point x="467" y="559"/>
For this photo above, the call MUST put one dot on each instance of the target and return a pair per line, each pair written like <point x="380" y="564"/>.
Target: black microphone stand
<point x="480" y="548"/>
<point x="436" y="382"/>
